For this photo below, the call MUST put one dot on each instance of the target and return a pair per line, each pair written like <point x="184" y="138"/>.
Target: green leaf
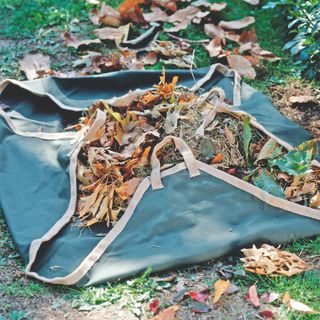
<point x="247" y="135"/>
<point x="266" y="182"/>
<point x="311" y="145"/>
<point x="294" y="162"/>
<point x="206" y="148"/>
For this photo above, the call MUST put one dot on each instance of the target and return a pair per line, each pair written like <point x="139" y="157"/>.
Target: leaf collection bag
<point x="188" y="213"/>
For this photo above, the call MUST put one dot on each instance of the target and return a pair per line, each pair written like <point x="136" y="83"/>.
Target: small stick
<point x="187" y="40"/>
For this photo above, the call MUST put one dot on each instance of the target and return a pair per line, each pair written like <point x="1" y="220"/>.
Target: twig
<point x="187" y="40"/>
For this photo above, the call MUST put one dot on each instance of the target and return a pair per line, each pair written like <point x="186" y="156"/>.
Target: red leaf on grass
<point x="200" y="296"/>
<point x="267" y="314"/>
<point x="252" y="296"/>
<point x="154" y="306"/>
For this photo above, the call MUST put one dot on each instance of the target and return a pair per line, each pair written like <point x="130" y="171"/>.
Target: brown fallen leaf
<point x="109" y="33"/>
<point x="213" y="31"/>
<point x="220" y="287"/>
<point x="268" y="260"/>
<point x="76" y="43"/>
<point x="237" y="24"/>
<point x="213" y="7"/>
<point x="106" y="15"/>
<point x="301" y="99"/>
<point x="214" y="47"/>
<point x="252" y="296"/>
<point x="296" y="305"/>
<point x="35" y="65"/>
<point x="167" y="314"/>
<point x="168" y="49"/>
<point x="242" y="65"/>
<point x="167" y="4"/>
<point x="315" y="201"/>
<point x="128" y="188"/>
<point x="230" y="136"/>
<point x="129" y="4"/>
<point x="269" y="297"/>
<point x="155" y="15"/>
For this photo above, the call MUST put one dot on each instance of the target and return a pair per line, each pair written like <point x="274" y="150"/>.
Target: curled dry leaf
<point x="156" y="14"/>
<point x="301" y="99"/>
<point x="76" y="43"/>
<point x="109" y="33"/>
<point x="315" y="201"/>
<point x="296" y="305"/>
<point x="128" y="188"/>
<point x="267" y="314"/>
<point x="129" y="4"/>
<point x="106" y="15"/>
<point x="214" y="47"/>
<point x="252" y="296"/>
<point x="269" y="260"/>
<point x="269" y="297"/>
<point x="220" y="287"/>
<point x="242" y="65"/>
<point x="167" y="4"/>
<point x="35" y="65"/>
<point x="167" y="314"/>
<point x="213" y="7"/>
<point x="213" y="31"/>
<point x="237" y="24"/>
<point x="200" y="296"/>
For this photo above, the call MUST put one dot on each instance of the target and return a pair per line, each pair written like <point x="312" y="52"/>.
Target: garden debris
<point x="243" y="53"/>
<point x="35" y="65"/>
<point x="112" y="165"/>
<point x="268" y="260"/>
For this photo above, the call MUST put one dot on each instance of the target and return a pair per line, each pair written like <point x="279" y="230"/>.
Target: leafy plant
<point x="304" y="23"/>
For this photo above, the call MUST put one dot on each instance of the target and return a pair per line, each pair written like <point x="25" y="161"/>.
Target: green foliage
<point x="295" y="162"/>
<point x="304" y="24"/>
<point x="136" y="291"/>
<point x="266" y="182"/>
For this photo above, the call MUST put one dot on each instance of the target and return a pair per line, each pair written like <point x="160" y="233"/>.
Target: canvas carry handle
<point x="226" y="72"/>
<point x="186" y="153"/>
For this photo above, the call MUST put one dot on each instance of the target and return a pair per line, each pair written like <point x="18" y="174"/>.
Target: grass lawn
<point x="36" y="26"/>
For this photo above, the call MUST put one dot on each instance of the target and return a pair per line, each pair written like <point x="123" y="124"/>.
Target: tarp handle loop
<point x="226" y="72"/>
<point x="189" y="159"/>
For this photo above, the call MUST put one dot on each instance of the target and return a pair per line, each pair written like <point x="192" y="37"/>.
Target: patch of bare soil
<point x="300" y="102"/>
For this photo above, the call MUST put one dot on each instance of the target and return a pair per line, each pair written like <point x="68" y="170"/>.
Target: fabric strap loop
<point x="186" y="153"/>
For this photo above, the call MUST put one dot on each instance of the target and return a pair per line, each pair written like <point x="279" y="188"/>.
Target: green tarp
<point x="188" y="221"/>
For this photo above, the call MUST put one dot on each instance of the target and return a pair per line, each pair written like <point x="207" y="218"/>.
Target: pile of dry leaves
<point x="144" y="22"/>
<point x="117" y="158"/>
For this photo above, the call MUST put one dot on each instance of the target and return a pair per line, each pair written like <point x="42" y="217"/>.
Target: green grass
<point x="24" y="19"/>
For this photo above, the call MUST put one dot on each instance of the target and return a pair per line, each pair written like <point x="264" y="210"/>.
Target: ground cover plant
<point x="52" y="28"/>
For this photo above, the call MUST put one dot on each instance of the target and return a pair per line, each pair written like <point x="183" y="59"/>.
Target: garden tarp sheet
<point x="188" y="221"/>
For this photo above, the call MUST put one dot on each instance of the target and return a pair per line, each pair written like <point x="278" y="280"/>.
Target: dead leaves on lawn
<point x="268" y="260"/>
<point x="227" y="42"/>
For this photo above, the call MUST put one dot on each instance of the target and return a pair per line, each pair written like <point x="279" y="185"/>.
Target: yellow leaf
<point x="220" y="287"/>
<point x="167" y="314"/>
